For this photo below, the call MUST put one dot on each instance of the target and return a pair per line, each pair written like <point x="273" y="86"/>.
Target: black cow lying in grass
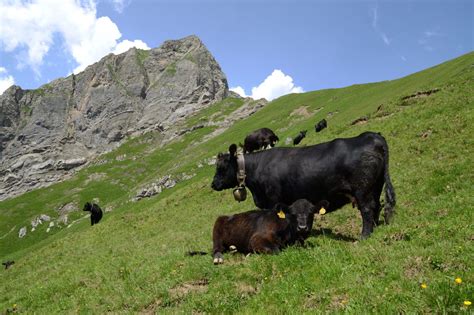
<point x="95" y="210"/>
<point x="258" y="139"/>
<point x="8" y="263"/>
<point x="299" y="137"/>
<point x="265" y="231"/>
<point x="321" y="125"/>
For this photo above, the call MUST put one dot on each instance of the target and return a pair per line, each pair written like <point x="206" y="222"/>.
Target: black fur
<point x="351" y="170"/>
<point x="95" y="210"/>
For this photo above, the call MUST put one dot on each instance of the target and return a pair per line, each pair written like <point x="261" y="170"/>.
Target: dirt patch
<point x="198" y="286"/>
<point x="360" y="121"/>
<point x="398" y="236"/>
<point x="425" y="134"/>
<point x="420" y="94"/>
<point x="301" y="111"/>
<point x="339" y="301"/>
<point x="312" y="301"/>
<point x="245" y="289"/>
<point x="152" y="307"/>
<point x="413" y="267"/>
<point x="442" y="212"/>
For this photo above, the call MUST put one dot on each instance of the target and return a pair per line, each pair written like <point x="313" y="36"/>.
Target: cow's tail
<point x="390" y="198"/>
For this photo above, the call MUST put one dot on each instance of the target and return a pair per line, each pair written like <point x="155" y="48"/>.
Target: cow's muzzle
<point x="302" y="228"/>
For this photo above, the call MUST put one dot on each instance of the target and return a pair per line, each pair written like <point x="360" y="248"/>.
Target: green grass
<point x="133" y="261"/>
<point x="171" y="69"/>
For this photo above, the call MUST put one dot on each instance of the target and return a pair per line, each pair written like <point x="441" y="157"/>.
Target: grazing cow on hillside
<point x="321" y="125"/>
<point x="340" y="171"/>
<point x="265" y="231"/>
<point x="95" y="210"/>
<point x="299" y="137"/>
<point x="8" y="263"/>
<point x="258" y="139"/>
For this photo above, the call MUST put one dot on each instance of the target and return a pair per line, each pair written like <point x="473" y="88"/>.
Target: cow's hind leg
<point x="367" y="207"/>
<point x="217" y="240"/>
<point x="376" y="194"/>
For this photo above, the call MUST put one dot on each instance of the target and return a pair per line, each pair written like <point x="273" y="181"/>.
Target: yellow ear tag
<point x="322" y="211"/>
<point x="281" y="214"/>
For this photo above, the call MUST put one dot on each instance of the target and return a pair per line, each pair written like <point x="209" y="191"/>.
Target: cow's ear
<point x="281" y="207"/>
<point x="220" y="155"/>
<point x="233" y="149"/>
<point x="322" y="204"/>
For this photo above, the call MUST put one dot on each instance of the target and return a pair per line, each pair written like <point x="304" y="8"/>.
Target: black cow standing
<point x="95" y="210"/>
<point x="258" y="139"/>
<point x="342" y="171"/>
<point x="8" y="263"/>
<point x="299" y="137"/>
<point x="265" y="232"/>
<point x="321" y="125"/>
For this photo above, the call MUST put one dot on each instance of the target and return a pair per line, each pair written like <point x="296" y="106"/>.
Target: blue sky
<point x="266" y="47"/>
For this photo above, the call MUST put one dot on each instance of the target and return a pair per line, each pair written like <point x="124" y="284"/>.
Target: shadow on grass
<point x="334" y="235"/>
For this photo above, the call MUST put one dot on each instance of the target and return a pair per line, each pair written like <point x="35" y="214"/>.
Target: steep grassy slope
<point x="134" y="260"/>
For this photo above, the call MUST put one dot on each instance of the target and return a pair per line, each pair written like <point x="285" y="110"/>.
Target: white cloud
<point x="375" y="19"/>
<point x="385" y="39"/>
<point x="125" y="45"/>
<point x="239" y="90"/>
<point x="31" y="26"/>
<point x="427" y="38"/>
<point x="275" y="85"/>
<point x="119" y="5"/>
<point x="5" y="80"/>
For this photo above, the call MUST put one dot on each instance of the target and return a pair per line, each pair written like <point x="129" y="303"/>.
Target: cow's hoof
<point x="218" y="260"/>
<point x="232" y="249"/>
<point x="364" y="237"/>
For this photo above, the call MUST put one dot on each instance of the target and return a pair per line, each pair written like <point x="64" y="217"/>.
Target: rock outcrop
<point x="48" y="133"/>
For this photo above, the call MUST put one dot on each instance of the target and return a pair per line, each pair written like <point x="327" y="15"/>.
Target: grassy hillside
<point x="134" y="260"/>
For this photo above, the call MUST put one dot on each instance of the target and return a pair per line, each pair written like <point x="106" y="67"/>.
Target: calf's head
<point x="303" y="214"/>
<point x="226" y="170"/>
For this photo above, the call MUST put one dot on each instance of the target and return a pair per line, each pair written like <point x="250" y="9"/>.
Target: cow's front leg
<point x="263" y="244"/>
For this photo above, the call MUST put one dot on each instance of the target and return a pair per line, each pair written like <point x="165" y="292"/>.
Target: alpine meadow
<point x="135" y="260"/>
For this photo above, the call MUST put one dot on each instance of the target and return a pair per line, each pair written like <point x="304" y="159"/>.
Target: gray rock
<point x="35" y="222"/>
<point x="45" y="218"/>
<point x="22" y="232"/>
<point x="70" y="164"/>
<point x="48" y="133"/>
<point x="63" y="219"/>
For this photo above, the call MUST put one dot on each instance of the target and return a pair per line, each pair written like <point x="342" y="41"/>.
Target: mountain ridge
<point x="48" y="132"/>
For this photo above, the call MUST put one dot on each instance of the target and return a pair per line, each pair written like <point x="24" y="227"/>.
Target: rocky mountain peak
<point x="48" y="132"/>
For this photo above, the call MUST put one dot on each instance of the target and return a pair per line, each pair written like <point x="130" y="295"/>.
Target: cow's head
<point x="303" y="133"/>
<point x="303" y="211"/>
<point x="87" y="206"/>
<point x="226" y="170"/>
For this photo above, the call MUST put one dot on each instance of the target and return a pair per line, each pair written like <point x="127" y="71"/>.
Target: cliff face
<point x="48" y="132"/>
